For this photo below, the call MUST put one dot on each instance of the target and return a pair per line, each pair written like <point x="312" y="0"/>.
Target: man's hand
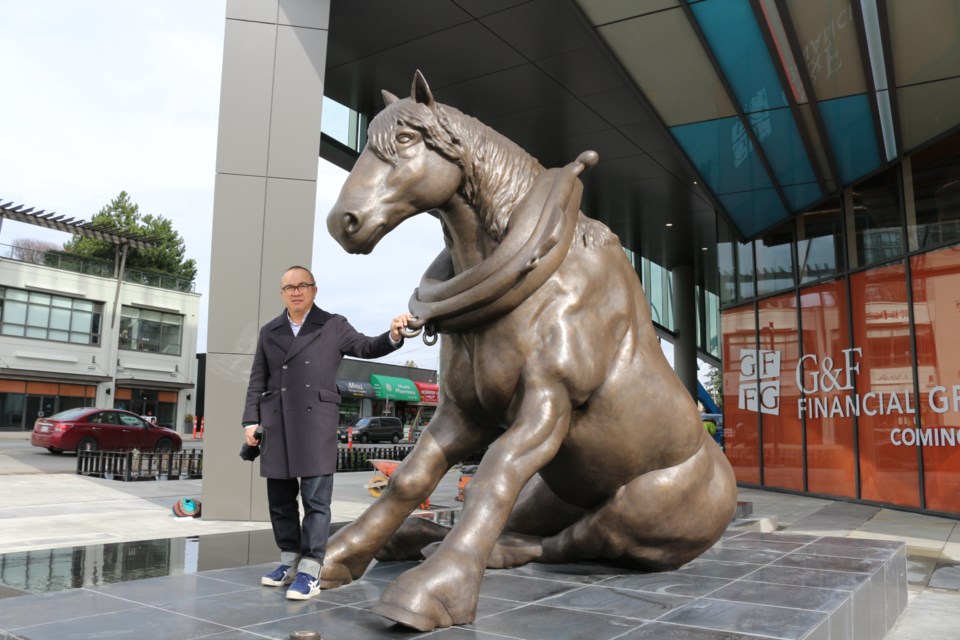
<point x="398" y="323"/>
<point x="250" y="435"/>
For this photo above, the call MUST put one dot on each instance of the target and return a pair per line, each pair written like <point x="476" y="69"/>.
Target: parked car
<point x="374" y="429"/>
<point x="89" y="428"/>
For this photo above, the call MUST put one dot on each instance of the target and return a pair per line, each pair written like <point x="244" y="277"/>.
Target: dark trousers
<point x="308" y="540"/>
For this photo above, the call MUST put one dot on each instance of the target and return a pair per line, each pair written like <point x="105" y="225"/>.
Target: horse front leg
<point x="449" y="439"/>
<point x="444" y="589"/>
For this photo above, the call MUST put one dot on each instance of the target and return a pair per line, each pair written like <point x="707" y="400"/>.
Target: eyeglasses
<point x="303" y="287"/>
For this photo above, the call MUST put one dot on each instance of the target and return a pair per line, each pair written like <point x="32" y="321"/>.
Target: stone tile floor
<point x="750" y="586"/>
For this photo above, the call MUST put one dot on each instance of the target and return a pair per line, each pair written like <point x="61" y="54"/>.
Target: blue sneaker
<point x="278" y="577"/>
<point x="304" y="587"/>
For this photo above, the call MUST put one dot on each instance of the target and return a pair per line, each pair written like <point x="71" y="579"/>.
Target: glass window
<point x="936" y="195"/>
<point x="782" y="427"/>
<point x="924" y="43"/>
<point x="927" y="110"/>
<point x="712" y="313"/>
<point x="876" y="214"/>
<point x="11" y="411"/>
<point x="17" y="294"/>
<point x="827" y="34"/>
<point x="15" y="312"/>
<point x="830" y="444"/>
<point x="726" y="262"/>
<point x="659" y="289"/>
<point x="889" y="470"/>
<point x="149" y="330"/>
<point x="38" y="316"/>
<point x="49" y="317"/>
<point x="775" y="260"/>
<point x="746" y="270"/>
<point x="59" y="318"/>
<point x="686" y="90"/>
<point x="820" y="247"/>
<point x="741" y="391"/>
<point x="936" y="279"/>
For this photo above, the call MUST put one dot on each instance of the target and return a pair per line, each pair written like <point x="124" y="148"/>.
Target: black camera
<point x="250" y="453"/>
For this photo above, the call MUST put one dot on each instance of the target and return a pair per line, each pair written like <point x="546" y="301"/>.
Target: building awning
<point x="429" y="393"/>
<point x="391" y="388"/>
<point x="355" y="388"/>
<point x="148" y="383"/>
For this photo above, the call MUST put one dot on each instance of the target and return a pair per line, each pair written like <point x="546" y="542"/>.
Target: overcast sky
<point x="103" y="96"/>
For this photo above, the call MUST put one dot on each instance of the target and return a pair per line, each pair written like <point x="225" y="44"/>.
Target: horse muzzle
<point x="349" y="230"/>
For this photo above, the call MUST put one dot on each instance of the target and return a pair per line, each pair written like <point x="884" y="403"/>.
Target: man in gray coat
<point x="292" y="412"/>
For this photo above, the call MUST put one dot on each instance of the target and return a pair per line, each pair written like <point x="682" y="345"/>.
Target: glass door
<point x="38" y="407"/>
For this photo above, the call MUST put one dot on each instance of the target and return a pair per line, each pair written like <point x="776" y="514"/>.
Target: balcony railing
<point x="93" y="267"/>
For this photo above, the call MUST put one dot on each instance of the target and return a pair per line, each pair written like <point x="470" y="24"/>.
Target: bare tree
<point x="32" y="250"/>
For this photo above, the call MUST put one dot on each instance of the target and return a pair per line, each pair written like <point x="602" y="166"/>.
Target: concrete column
<point x="271" y="95"/>
<point x="685" y="325"/>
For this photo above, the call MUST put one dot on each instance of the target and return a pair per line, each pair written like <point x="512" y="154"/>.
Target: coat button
<point x="284" y="366"/>
<point x="307" y="362"/>
<point x="309" y="408"/>
<point x="308" y="386"/>
<point x="283" y="388"/>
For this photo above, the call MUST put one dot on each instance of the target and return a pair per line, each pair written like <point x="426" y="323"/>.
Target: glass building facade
<point x="841" y="365"/>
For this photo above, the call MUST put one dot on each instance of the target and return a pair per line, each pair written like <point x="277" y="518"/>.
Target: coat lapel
<point x="280" y="333"/>
<point x="311" y="330"/>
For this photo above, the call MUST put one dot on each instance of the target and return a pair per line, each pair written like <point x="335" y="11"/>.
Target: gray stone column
<point x="685" y="325"/>
<point x="271" y="95"/>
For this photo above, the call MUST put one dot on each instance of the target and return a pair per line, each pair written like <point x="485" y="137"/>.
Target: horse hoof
<point x="407" y="618"/>
<point x="333" y="576"/>
<point x="397" y="604"/>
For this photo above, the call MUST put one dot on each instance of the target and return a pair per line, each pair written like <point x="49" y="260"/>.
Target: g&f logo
<point x="760" y="381"/>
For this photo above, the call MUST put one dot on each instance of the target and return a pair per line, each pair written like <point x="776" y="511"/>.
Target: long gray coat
<point x="293" y="391"/>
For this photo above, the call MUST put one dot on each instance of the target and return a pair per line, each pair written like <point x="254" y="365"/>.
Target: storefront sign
<point x="760" y="381"/>
<point x="820" y="379"/>
<point x="355" y="388"/>
<point x="392" y="388"/>
<point x="429" y="392"/>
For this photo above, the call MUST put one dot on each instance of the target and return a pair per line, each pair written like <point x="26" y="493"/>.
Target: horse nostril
<point x="351" y="223"/>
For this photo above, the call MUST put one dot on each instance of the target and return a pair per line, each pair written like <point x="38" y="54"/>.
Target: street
<point x="18" y="456"/>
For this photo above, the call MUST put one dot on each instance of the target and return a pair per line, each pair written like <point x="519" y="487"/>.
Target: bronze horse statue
<point x="595" y="450"/>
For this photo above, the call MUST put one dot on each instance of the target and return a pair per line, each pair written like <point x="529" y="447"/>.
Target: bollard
<point x="194" y="427"/>
<point x="203" y="423"/>
<point x="349" y="437"/>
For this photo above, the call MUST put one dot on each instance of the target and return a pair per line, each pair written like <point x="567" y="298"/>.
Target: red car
<point x="90" y="429"/>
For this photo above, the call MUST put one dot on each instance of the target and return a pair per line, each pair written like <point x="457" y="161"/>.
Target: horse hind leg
<point x="658" y="521"/>
<point x="539" y="513"/>
<point x="410" y="540"/>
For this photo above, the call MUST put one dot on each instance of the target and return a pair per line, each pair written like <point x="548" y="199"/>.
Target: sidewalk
<point x="46" y="511"/>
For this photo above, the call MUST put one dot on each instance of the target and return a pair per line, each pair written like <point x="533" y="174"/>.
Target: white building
<point x="72" y="334"/>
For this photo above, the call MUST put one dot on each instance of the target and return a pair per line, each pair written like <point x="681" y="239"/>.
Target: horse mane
<point x="496" y="172"/>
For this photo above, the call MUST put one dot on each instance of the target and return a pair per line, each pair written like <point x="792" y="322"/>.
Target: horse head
<point x="408" y="166"/>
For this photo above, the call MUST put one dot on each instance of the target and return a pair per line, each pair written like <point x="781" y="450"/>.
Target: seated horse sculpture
<point x="595" y="450"/>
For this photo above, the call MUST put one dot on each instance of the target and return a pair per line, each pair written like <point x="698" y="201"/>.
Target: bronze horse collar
<point x="450" y="302"/>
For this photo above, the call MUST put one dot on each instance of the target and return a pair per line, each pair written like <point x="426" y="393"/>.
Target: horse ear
<point x="420" y="91"/>
<point x="389" y="98"/>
